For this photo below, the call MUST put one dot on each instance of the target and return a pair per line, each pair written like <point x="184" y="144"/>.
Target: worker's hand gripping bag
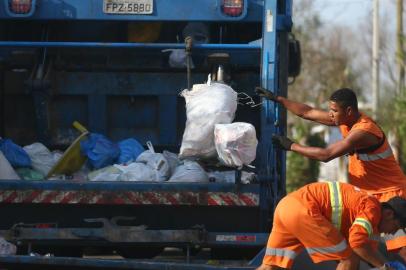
<point x="236" y="143"/>
<point x="206" y="106"/>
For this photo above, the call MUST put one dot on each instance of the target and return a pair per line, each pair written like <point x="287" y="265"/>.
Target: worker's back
<point x="340" y="203"/>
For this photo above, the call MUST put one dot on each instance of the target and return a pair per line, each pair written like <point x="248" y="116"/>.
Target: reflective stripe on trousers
<point x="385" y="154"/>
<point x="281" y="253"/>
<point x="326" y="250"/>
<point x="336" y="204"/>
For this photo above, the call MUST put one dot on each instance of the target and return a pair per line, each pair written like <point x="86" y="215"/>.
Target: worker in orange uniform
<point x="332" y="221"/>
<point x="372" y="165"/>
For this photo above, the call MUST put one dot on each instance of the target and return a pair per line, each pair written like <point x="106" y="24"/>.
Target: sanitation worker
<point x="332" y="221"/>
<point x="372" y="165"/>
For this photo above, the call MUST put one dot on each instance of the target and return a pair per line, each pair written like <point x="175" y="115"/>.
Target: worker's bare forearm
<point x="297" y="108"/>
<point x="369" y="255"/>
<point x="316" y="153"/>
<point x="305" y="111"/>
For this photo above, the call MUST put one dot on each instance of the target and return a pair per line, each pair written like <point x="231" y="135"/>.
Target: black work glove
<point x="282" y="142"/>
<point x="265" y="93"/>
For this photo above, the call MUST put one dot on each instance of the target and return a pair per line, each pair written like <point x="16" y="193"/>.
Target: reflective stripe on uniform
<point x="385" y="154"/>
<point x="336" y="204"/>
<point x="281" y="252"/>
<point x="365" y="224"/>
<point x="328" y="250"/>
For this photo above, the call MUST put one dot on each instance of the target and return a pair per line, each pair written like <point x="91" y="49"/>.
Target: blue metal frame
<point x="270" y="111"/>
<point x="196" y="10"/>
<point x="44" y="44"/>
<point x="127" y="186"/>
<point x="113" y="264"/>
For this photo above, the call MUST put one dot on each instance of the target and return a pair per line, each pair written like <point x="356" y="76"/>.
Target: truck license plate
<point x="128" y="6"/>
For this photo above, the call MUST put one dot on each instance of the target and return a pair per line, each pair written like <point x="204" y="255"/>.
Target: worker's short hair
<point x="345" y="97"/>
<point x="398" y="206"/>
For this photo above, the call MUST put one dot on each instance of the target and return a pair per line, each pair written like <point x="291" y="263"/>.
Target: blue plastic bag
<point x="14" y="154"/>
<point x="99" y="150"/>
<point x="397" y="265"/>
<point x="130" y="149"/>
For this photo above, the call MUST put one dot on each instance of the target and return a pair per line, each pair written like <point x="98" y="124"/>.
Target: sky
<point x="352" y="12"/>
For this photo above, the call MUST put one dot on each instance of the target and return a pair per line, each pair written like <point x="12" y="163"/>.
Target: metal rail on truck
<point x="113" y="264"/>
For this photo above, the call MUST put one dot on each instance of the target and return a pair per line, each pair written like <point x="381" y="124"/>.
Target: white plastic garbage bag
<point x="7" y="248"/>
<point x="178" y="58"/>
<point x="42" y="159"/>
<point x="6" y="170"/>
<point x="173" y="160"/>
<point x="206" y="106"/>
<point x="189" y="171"/>
<point x="236" y="143"/>
<point x="136" y="172"/>
<point x="156" y="161"/>
<point x="109" y="173"/>
<point x="222" y="176"/>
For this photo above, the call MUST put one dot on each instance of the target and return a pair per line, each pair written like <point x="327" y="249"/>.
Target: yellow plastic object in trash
<point x="72" y="160"/>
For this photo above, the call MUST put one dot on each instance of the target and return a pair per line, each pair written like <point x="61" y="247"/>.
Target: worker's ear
<point x="388" y="214"/>
<point x="349" y="111"/>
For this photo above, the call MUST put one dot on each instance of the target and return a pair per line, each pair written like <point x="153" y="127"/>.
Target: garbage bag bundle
<point x="136" y="172"/>
<point x="236" y="143"/>
<point x="190" y="172"/>
<point x="14" y="153"/>
<point x="206" y="106"/>
<point x="100" y="151"/>
<point x="130" y="149"/>
<point x="29" y="174"/>
<point x="7" y="248"/>
<point x="42" y="159"/>
<point x="173" y="160"/>
<point x="109" y="173"/>
<point x="6" y="171"/>
<point x="157" y="162"/>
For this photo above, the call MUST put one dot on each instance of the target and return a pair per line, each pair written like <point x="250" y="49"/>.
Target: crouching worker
<point x="332" y="221"/>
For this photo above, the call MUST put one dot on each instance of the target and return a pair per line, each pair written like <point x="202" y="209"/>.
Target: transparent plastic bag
<point x="206" y="106"/>
<point x="236" y="143"/>
<point x="42" y="159"/>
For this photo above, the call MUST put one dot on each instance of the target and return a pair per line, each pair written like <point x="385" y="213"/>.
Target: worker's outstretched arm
<point x="357" y="139"/>
<point x="300" y="109"/>
<point x="368" y="254"/>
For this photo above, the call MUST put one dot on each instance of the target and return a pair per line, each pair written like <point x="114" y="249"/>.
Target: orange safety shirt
<point x="377" y="172"/>
<point x="323" y="218"/>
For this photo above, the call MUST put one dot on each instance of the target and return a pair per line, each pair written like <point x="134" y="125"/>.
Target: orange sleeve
<point x="365" y="226"/>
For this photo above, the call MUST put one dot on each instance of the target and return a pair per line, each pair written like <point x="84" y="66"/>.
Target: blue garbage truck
<point x="106" y="64"/>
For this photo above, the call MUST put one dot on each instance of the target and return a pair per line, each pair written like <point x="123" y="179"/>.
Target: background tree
<point x="326" y="66"/>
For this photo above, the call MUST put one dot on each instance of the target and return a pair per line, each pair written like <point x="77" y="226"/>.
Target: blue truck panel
<point x="74" y="62"/>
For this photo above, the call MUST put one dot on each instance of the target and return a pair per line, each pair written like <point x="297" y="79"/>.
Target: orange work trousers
<point x="299" y="225"/>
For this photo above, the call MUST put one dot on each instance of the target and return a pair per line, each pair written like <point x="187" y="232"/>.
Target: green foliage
<point x="302" y="170"/>
<point x="400" y="120"/>
<point x="326" y="66"/>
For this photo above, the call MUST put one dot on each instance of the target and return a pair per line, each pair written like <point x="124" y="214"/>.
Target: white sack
<point x="7" y="248"/>
<point x="236" y="143"/>
<point x="136" y="172"/>
<point x="42" y="159"/>
<point x="109" y="173"/>
<point x="6" y="170"/>
<point x="190" y="172"/>
<point x="156" y="162"/>
<point x="206" y="106"/>
<point x="173" y="160"/>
